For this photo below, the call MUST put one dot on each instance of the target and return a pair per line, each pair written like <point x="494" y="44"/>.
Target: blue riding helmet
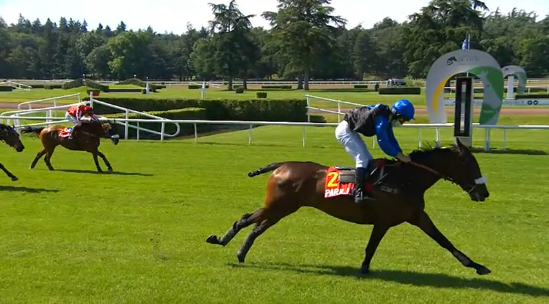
<point x="404" y="108"/>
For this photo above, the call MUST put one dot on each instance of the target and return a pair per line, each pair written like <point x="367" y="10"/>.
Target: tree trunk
<point x="306" y="80"/>
<point x="230" y="85"/>
<point x="300" y="82"/>
<point x="245" y="83"/>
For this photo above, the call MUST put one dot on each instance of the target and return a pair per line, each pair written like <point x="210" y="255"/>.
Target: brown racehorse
<point x="399" y="197"/>
<point x="10" y="137"/>
<point x="87" y="138"/>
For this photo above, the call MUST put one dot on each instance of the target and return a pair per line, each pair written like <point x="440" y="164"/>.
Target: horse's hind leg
<point x="96" y="161"/>
<point x="37" y="158"/>
<point x="47" y="158"/>
<point x="245" y="221"/>
<point x="8" y="173"/>
<point x="258" y="230"/>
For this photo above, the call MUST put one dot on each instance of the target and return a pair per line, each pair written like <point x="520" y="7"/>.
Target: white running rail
<point x="16" y="85"/>
<point x="15" y="118"/>
<point x="437" y="127"/>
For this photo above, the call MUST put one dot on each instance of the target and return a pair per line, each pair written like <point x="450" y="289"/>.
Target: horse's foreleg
<point x="37" y="158"/>
<point x="8" y="173"/>
<point x="96" y="161"/>
<point x="109" y="167"/>
<point x="423" y="221"/>
<point x="378" y="232"/>
<point x="245" y="221"/>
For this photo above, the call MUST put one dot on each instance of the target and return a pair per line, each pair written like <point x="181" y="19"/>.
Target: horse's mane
<point x="430" y="150"/>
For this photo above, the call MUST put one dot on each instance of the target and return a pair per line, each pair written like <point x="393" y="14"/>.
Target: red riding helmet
<point x="88" y="109"/>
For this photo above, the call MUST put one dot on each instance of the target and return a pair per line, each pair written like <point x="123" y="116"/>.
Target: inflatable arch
<point x="478" y="63"/>
<point x="515" y="70"/>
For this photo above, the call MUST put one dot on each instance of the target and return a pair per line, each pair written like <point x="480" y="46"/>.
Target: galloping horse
<point x="398" y="192"/>
<point x="10" y="137"/>
<point x="88" y="139"/>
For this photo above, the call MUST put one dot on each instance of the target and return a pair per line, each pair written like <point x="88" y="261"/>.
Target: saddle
<point x="340" y="180"/>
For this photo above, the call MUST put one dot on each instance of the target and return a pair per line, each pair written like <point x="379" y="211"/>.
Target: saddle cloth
<point x="341" y="180"/>
<point x="65" y="132"/>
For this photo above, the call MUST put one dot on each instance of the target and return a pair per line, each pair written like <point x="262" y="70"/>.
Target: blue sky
<point x="173" y="15"/>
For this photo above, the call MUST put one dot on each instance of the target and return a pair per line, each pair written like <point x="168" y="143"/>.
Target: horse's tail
<point x="265" y="169"/>
<point x="29" y="129"/>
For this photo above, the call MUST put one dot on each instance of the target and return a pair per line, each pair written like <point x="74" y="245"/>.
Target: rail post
<point x="250" y="135"/>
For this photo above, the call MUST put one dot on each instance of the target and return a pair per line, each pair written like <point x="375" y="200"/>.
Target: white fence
<point x="251" y="124"/>
<point x="15" y="117"/>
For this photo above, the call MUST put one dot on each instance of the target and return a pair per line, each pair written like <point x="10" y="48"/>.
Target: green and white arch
<point x="478" y="63"/>
<point x="515" y="70"/>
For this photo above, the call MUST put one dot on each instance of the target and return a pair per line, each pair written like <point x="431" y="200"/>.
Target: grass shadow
<point x="436" y="280"/>
<point x="26" y="189"/>
<point x="104" y="172"/>
<point x="511" y="151"/>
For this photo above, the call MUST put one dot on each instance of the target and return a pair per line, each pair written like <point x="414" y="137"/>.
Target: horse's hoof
<point x="110" y="170"/>
<point x="483" y="270"/>
<point x="364" y="270"/>
<point x="14" y="178"/>
<point x="241" y="258"/>
<point x="212" y="239"/>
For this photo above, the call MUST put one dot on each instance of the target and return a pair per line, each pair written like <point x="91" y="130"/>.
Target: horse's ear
<point x="462" y="148"/>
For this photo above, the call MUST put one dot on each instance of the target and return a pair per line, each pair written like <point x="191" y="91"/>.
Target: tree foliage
<point x="306" y="41"/>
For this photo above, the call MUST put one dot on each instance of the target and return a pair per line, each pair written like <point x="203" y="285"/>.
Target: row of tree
<point x="306" y="41"/>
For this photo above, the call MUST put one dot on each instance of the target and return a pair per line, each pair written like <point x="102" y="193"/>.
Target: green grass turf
<point x="138" y="236"/>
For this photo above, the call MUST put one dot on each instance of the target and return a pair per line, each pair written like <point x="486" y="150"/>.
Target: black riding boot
<point x="360" y="181"/>
<point x="71" y="136"/>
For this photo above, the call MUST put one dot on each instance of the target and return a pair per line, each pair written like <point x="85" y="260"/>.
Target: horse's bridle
<point x="479" y="181"/>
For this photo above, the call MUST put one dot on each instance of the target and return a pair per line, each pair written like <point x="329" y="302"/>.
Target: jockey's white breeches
<point x="71" y="118"/>
<point x="354" y="145"/>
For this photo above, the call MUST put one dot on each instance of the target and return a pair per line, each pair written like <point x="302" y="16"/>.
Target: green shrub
<point x="239" y="90"/>
<point x="136" y="90"/>
<point x="399" y="91"/>
<point x="261" y="94"/>
<point x="361" y="86"/>
<point x="76" y="83"/>
<point x="280" y="87"/>
<point x="6" y="89"/>
<point x="169" y="128"/>
<point x="531" y="96"/>
<point x="196" y="86"/>
<point x="140" y="83"/>
<point x="254" y="109"/>
<point x="48" y="87"/>
<point x="94" y="85"/>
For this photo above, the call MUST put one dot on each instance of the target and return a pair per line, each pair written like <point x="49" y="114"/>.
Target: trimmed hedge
<point x="361" y="86"/>
<point x="73" y="84"/>
<point x="481" y="90"/>
<point x="531" y="96"/>
<point x="136" y="90"/>
<point x="94" y="85"/>
<point x="399" y="91"/>
<point x="254" y="109"/>
<point x="281" y="87"/>
<point x="6" y="89"/>
<point x="140" y="83"/>
<point x="169" y="128"/>
<point x="197" y="87"/>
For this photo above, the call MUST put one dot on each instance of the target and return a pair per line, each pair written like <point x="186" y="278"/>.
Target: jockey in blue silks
<point x="377" y="120"/>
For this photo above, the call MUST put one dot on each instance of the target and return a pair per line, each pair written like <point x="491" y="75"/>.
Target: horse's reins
<point x="477" y="182"/>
